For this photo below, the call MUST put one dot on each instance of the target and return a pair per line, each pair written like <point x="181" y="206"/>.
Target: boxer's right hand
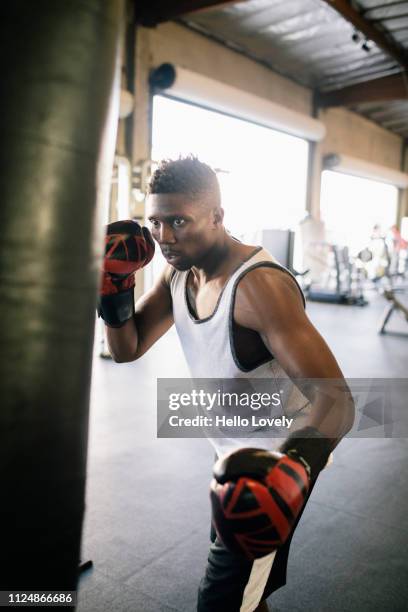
<point x="128" y="247"/>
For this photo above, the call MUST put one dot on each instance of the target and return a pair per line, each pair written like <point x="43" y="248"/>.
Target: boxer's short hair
<point x="186" y="175"/>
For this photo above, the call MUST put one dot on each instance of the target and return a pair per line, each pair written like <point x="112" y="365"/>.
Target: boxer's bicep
<point x="268" y="306"/>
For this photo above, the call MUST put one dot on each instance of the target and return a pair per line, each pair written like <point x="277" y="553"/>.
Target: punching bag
<point x="58" y="64"/>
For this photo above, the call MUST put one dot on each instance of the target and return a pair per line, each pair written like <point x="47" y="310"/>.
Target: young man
<point x="238" y="314"/>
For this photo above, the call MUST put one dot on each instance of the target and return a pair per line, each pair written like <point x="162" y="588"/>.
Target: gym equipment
<point x="332" y="275"/>
<point x="84" y="566"/>
<point x="342" y="282"/>
<point x="395" y="305"/>
<point x="57" y="127"/>
<point x="387" y="267"/>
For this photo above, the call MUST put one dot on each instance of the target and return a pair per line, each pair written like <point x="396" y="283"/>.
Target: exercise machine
<point x="341" y="283"/>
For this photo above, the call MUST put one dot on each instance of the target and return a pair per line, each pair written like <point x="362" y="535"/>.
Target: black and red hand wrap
<point x="128" y="247"/>
<point x="310" y="447"/>
<point x="257" y="495"/>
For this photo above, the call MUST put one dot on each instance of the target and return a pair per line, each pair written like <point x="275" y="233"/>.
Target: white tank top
<point x="209" y="350"/>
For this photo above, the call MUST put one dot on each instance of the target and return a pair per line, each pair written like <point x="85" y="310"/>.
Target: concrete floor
<point x="147" y="518"/>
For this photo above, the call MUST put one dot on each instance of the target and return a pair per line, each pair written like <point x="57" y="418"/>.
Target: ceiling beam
<point x="388" y="114"/>
<point x="392" y="87"/>
<point x="389" y="18"/>
<point x="364" y="26"/>
<point x="382" y="6"/>
<point x="401" y="123"/>
<point x="149" y="13"/>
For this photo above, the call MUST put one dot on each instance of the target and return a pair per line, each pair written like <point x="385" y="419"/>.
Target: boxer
<point x="239" y="314"/>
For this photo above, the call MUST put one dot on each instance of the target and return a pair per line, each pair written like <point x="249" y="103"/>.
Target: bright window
<point x="351" y="206"/>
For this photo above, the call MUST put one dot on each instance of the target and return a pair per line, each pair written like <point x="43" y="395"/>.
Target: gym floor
<point x="147" y="518"/>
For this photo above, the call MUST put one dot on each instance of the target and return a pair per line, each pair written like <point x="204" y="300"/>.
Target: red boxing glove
<point x="128" y="247"/>
<point x="257" y="495"/>
<point x="256" y="498"/>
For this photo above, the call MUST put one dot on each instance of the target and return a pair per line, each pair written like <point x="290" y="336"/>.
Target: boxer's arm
<point x="269" y="302"/>
<point x="153" y="317"/>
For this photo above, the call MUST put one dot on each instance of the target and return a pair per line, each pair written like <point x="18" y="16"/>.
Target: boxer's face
<point x="186" y="229"/>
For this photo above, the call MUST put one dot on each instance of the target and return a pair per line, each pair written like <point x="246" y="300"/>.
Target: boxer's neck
<point x="219" y="261"/>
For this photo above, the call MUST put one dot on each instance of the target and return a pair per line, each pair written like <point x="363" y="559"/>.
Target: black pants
<point x="233" y="584"/>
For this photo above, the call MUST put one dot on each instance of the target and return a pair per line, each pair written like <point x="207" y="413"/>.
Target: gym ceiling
<point x="350" y="53"/>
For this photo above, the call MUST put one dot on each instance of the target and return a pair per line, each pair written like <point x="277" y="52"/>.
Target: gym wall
<point x="351" y="134"/>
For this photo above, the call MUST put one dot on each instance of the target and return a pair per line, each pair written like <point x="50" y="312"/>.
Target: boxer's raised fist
<point x="128" y="247"/>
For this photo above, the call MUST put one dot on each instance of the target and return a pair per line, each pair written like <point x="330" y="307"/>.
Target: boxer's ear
<point x="218" y="215"/>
